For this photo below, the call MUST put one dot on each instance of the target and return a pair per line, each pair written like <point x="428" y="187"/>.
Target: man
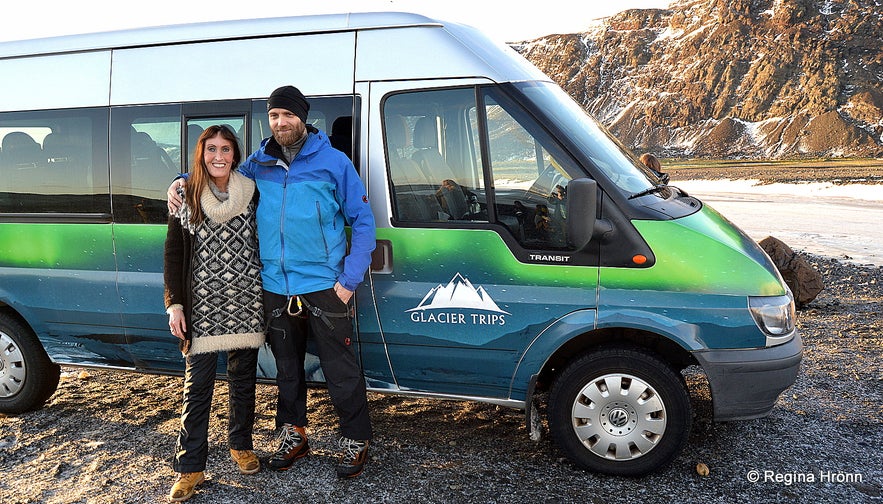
<point x="308" y="192"/>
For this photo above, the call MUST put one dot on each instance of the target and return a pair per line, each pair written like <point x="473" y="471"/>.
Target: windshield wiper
<point x="649" y="190"/>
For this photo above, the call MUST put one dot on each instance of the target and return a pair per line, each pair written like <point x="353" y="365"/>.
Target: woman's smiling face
<point x="218" y="159"/>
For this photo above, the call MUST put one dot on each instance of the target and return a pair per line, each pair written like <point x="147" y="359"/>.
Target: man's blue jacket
<point x="301" y="215"/>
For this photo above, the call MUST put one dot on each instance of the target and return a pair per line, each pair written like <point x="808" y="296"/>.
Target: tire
<point x="27" y="377"/>
<point x="620" y="411"/>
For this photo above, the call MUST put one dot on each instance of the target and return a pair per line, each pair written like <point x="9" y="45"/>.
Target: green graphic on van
<point x="480" y="255"/>
<point x="702" y="252"/>
<point x="62" y="246"/>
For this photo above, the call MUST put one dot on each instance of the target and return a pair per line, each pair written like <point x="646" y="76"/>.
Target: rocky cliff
<point x="730" y="78"/>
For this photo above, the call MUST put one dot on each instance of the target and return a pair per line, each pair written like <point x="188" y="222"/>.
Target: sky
<point x="509" y="21"/>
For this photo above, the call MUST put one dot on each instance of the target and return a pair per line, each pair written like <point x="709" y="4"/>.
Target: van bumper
<point x="745" y="384"/>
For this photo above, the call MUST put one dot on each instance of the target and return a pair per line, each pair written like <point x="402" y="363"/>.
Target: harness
<point x="299" y="307"/>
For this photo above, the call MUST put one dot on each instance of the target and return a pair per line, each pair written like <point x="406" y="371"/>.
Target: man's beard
<point x="290" y="136"/>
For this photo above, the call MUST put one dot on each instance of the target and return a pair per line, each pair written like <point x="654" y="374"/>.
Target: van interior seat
<point x="451" y="196"/>
<point x="68" y="159"/>
<point x="427" y="156"/>
<point x="20" y="151"/>
<point x="21" y="162"/>
<point x="341" y="138"/>
<point x="56" y="147"/>
<point x="66" y="148"/>
<point x="151" y="165"/>
<point x="193" y="132"/>
<point x="413" y="194"/>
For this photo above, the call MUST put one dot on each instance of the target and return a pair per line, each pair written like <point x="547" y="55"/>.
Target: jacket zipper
<point x="282" y="233"/>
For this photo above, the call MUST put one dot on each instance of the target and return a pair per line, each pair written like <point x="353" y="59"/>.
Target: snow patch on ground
<point x="822" y="218"/>
<point x="867" y="192"/>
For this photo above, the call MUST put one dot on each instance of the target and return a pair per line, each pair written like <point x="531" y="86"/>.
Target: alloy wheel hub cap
<point x="618" y="418"/>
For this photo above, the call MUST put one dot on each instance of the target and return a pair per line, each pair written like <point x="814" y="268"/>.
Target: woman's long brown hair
<point x="199" y="176"/>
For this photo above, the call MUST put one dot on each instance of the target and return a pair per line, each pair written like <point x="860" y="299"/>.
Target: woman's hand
<point x="174" y="201"/>
<point x="177" y="325"/>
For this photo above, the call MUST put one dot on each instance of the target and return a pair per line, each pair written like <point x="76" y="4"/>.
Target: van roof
<point x="215" y="30"/>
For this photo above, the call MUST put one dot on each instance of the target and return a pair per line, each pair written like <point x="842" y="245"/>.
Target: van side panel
<point x="61" y="279"/>
<point x="458" y="311"/>
<point x="316" y="64"/>
<point x="33" y="83"/>
<point x="140" y="284"/>
<point x="545" y="344"/>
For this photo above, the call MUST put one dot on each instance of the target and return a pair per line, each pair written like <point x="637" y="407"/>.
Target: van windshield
<point x="612" y="158"/>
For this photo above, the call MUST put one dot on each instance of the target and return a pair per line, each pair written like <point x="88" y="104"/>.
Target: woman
<point x="213" y="298"/>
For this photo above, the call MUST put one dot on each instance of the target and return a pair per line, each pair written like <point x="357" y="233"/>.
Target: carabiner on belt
<point x="295" y="300"/>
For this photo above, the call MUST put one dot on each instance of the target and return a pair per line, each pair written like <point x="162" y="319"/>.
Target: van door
<point x="473" y="261"/>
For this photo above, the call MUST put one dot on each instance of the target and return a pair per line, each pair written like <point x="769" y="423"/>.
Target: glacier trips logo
<point x="458" y="302"/>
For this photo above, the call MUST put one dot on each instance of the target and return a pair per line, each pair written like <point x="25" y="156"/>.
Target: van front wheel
<point x="620" y="411"/>
<point x="27" y="377"/>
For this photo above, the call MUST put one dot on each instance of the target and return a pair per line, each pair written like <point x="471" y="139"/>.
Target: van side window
<point x="437" y="173"/>
<point x="145" y="157"/>
<point x="530" y="174"/>
<point x="54" y="162"/>
<point x="434" y="163"/>
<point x="337" y="116"/>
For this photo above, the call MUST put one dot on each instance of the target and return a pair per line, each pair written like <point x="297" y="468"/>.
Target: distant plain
<point x="835" y="170"/>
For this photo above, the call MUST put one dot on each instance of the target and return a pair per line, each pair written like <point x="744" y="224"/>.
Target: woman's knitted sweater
<point x="213" y="270"/>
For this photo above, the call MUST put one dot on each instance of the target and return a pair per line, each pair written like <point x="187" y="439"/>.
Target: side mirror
<point x="582" y="204"/>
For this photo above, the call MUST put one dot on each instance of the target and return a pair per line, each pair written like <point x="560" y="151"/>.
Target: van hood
<point x="702" y="252"/>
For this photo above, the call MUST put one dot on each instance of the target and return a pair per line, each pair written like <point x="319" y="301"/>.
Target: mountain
<point x="730" y="78"/>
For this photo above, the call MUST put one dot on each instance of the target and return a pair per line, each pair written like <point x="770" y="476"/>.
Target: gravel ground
<point x="107" y="437"/>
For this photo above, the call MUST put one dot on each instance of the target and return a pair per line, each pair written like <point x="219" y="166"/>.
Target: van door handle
<point x="381" y="258"/>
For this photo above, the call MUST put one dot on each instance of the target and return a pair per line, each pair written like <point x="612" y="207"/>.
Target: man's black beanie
<point x="289" y="98"/>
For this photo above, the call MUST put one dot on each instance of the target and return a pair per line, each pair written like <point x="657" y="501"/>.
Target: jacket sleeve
<point x="173" y="264"/>
<point x="357" y="213"/>
<point x="247" y="167"/>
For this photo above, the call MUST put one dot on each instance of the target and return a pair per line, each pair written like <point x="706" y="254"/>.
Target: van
<point x="524" y="257"/>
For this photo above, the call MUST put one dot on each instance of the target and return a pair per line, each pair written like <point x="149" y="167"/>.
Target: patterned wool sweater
<point x="213" y="270"/>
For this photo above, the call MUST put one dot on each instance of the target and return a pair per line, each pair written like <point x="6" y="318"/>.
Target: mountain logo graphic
<point x="458" y="293"/>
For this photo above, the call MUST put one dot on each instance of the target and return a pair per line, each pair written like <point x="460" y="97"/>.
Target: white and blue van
<point x="523" y="254"/>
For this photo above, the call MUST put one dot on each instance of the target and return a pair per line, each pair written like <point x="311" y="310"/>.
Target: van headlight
<point x="774" y="315"/>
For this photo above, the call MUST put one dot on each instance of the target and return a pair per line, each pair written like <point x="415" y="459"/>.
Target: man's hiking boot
<point x="292" y="445"/>
<point x="246" y="460"/>
<point x="353" y="457"/>
<point x="185" y="486"/>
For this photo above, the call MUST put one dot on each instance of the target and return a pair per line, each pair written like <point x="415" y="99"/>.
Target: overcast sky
<point x="508" y="21"/>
